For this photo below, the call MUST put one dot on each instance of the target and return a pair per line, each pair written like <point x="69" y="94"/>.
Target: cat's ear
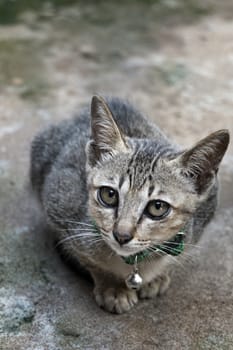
<point x="106" y="137"/>
<point x="201" y="162"/>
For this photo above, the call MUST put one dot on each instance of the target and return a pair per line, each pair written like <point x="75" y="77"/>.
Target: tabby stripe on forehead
<point x="143" y="183"/>
<point x="130" y="177"/>
<point x="154" y="162"/>
<point x="151" y="190"/>
<point x="157" y="150"/>
<point x="131" y="170"/>
<point x="134" y="156"/>
<point x="122" y="179"/>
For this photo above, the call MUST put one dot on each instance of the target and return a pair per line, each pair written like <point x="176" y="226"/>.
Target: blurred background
<point x="174" y="60"/>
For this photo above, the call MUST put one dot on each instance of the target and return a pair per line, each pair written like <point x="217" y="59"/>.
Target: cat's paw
<point x="156" y="287"/>
<point x="116" y="300"/>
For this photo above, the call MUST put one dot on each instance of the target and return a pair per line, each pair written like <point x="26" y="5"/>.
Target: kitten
<point x="123" y="199"/>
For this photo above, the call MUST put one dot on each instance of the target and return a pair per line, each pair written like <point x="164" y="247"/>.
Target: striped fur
<point x="114" y="145"/>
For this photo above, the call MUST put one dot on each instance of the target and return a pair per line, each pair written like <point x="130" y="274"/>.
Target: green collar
<point x="174" y="247"/>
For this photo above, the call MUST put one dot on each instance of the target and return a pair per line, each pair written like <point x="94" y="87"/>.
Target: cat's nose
<point x="122" y="238"/>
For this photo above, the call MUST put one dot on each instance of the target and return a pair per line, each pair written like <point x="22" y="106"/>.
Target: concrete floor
<point x="175" y="61"/>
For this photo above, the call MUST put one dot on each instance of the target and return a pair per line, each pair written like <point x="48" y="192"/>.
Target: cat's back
<point x="50" y="143"/>
<point x="132" y="122"/>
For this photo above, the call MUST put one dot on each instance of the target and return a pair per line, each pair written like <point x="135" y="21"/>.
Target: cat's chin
<point x="124" y="251"/>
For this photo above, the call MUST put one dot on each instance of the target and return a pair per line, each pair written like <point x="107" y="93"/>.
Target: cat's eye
<point x="108" y="197"/>
<point x="157" y="209"/>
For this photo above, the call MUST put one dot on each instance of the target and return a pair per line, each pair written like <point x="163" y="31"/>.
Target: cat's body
<point x="119" y="188"/>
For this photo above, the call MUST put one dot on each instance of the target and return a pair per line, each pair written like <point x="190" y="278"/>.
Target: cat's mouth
<point x="174" y="247"/>
<point x="125" y="250"/>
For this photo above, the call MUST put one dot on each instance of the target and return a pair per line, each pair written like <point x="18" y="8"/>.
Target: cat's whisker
<point x="80" y="233"/>
<point x="184" y="256"/>
<point x="149" y="258"/>
<point x="79" y="236"/>
<point x="83" y="230"/>
<point x="87" y="241"/>
<point x="78" y="230"/>
<point x="85" y="234"/>
<point x="186" y="244"/>
<point x="154" y="251"/>
<point x="184" y="253"/>
<point x="75" y="222"/>
<point x="94" y="240"/>
<point x="187" y="254"/>
<point x="170" y="256"/>
<point x="71" y="238"/>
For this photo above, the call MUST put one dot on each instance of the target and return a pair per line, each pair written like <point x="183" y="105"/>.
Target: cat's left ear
<point x="106" y="137"/>
<point x="201" y="162"/>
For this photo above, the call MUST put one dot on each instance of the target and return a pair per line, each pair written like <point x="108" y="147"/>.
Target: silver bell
<point x="134" y="281"/>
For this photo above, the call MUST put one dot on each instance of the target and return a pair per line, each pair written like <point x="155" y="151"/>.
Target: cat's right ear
<point x="106" y="137"/>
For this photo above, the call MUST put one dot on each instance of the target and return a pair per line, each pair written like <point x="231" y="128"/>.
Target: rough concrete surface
<point x="174" y="60"/>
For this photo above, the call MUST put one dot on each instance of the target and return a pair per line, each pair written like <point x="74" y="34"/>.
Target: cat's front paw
<point x="116" y="300"/>
<point x="156" y="287"/>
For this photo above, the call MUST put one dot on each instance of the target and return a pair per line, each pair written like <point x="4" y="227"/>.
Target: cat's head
<point x="142" y="193"/>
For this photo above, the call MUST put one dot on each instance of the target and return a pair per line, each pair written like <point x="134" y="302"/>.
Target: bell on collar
<point x="134" y="280"/>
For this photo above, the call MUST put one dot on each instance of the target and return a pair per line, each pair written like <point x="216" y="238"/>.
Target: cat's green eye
<point x="108" y="197"/>
<point x="157" y="209"/>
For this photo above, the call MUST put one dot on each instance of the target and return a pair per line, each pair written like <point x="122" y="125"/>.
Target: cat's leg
<point x="113" y="295"/>
<point x="158" y="286"/>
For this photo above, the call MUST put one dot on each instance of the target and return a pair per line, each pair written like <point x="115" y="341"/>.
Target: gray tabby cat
<point x="123" y="200"/>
